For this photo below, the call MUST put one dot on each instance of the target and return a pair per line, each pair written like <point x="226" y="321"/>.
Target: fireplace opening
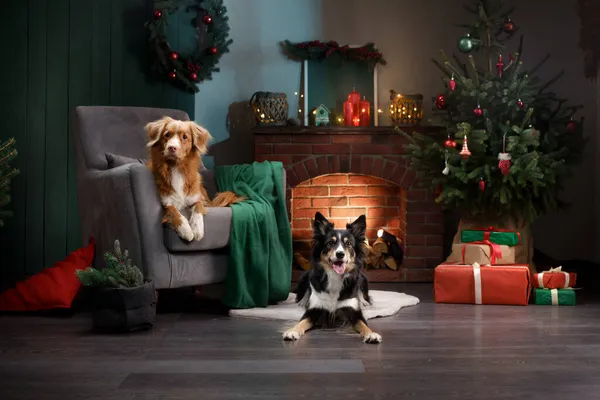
<point x="342" y="198"/>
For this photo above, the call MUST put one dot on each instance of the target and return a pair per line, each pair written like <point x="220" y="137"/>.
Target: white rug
<point x="384" y="304"/>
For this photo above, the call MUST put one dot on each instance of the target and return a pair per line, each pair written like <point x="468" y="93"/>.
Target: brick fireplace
<point x="345" y="172"/>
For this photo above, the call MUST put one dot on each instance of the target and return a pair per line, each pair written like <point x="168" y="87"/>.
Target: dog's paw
<point x="185" y="231"/>
<point x="291" y="334"/>
<point x="373" y="338"/>
<point x="197" y="225"/>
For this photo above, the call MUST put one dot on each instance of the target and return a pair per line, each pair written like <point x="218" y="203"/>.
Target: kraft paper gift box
<point x="494" y="235"/>
<point x="555" y="297"/>
<point x="483" y="253"/>
<point x="476" y="284"/>
<point x="555" y="278"/>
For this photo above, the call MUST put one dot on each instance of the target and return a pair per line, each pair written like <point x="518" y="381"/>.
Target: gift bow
<point x="540" y="276"/>
<point x="495" y="250"/>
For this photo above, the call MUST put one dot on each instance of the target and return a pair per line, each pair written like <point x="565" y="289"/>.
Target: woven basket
<point x="270" y="108"/>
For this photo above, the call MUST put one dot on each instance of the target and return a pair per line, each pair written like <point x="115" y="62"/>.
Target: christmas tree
<point x="508" y="140"/>
<point x="7" y="154"/>
<point x="119" y="272"/>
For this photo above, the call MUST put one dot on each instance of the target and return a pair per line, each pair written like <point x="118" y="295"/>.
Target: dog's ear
<point x="200" y="138"/>
<point x="321" y="225"/>
<point x="154" y="130"/>
<point x="358" y="228"/>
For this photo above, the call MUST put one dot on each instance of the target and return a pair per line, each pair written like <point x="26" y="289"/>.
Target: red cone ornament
<point x="571" y="126"/>
<point x="452" y="83"/>
<point x="504" y="163"/>
<point x="465" y="152"/>
<point x="500" y="65"/>
<point x="481" y="185"/>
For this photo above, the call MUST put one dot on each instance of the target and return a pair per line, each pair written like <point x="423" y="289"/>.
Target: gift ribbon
<point x="477" y="280"/>
<point x="540" y="276"/>
<point x="495" y="251"/>
<point x="554" y="296"/>
<point x="487" y="232"/>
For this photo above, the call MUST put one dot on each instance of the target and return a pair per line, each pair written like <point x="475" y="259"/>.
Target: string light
<point x="380" y="111"/>
<point x="262" y="115"/>
<point x="295" y="93"/>
<point x="300" y="110"/>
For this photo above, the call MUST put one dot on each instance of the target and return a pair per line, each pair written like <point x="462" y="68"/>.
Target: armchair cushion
<point x="217" y="229"/>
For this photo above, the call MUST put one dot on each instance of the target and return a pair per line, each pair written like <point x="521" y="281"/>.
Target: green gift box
<point x="506" y="238"/>
<point x="555" y="297"/>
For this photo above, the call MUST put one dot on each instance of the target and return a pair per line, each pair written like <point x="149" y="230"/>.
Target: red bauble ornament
<point x="509" y="25"/>
<point x="157" y="14"/>
<point x="520" y="103"/>
<point x="172" y="75"/>
<point x="440" y="101"/>
<point x="478" y="111"/>
<point x="449" y="143"/>
<point x="213" y="50"/>
<point x="571" y="126"/>
<point x="504" y="163"/>
<point x="438" y="191"/>
<point x="207" y="19"/>
<point x="174" y="55"/>
<point x="481" y="185"/>
<point x="452" y="83"/>
<point x="193" y="76"/>
<point x="500" y="65"/>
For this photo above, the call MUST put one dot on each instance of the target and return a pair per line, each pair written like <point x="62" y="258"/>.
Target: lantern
<point x="365" y="112"/>
<point x="406" y="109"/>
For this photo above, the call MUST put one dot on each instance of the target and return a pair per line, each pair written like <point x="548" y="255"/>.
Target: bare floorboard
<point x="429" y="352"/>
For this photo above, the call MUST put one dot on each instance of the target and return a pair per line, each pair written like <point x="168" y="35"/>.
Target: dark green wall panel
<point x="60" y="54"/>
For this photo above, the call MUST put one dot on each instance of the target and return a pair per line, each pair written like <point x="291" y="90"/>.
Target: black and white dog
<point x="335" y="289"/>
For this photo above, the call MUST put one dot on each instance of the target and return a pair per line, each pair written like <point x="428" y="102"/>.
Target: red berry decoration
<point x="520" y="103"/>
<point x="509" y="25"/>
<point x="207" y="19"/>
<point x="172" y="75"/>
<point x="478" y="111"/>
<point x="440" y="101"/>
<point x="481" y="185"/>
<point x="571" y="126"/>
<point x="500" y="65"/>
<point x="213" y="50"/>
<point x="157" y="14"/>
<point x="174" y="55"/>
<point x="193" y="76"/>
<point x="452" y="83"/>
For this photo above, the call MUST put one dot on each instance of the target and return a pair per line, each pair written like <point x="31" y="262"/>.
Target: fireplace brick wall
<point x="311" y="152"/>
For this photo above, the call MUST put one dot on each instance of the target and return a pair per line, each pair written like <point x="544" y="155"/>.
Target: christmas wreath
<point x="187" y="70"/>
<point x="317" y="50"/>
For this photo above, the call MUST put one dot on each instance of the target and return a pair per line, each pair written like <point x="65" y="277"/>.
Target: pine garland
<point x="119" y="272"/>
<point x="7" y="154"/>
<point x="212" y="28"/>
<point x="499" y="109"/>
<point x="317" y="50"/>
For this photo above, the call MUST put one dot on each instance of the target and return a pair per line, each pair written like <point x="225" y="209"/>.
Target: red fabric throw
<point x="52" y="288"/>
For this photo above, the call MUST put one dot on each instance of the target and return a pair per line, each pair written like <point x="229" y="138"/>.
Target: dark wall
<point x="59" y="54"/>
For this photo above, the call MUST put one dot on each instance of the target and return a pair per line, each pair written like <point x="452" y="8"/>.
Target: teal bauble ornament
<point x="465" y="44"/>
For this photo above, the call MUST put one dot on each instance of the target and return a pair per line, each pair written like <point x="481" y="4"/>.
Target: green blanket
<point x="260" y="262"/>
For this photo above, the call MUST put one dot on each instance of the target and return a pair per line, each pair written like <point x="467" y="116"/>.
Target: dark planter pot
<point x="124" y="310"/>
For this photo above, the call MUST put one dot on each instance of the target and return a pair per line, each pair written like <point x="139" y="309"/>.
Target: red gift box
<point x="475" y="284"/>
<point x="555" y="278"/>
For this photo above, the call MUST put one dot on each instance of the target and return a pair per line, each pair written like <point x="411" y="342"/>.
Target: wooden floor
<point x="429" y="352"/>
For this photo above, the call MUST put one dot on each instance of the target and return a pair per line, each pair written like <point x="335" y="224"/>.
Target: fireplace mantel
<point x="311" y="152"/>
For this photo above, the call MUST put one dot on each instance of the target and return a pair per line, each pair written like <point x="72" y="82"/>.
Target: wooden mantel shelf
<point x="343" y="130"/>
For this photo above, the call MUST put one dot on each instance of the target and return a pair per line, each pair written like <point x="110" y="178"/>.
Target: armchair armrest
<point x="123" y="203"/>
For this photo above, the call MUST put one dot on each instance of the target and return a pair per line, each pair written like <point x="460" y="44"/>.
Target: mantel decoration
<point x="406" y="109"/>
<point x="270" y="108"/>
<point x="317" y="50"/>
<point x="212" y="30"/>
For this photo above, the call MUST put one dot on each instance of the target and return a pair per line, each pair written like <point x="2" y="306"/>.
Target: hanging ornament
<point x="509" y="25"/>
<point x="478" y="111"/>
<point x="440" y="101"/>
<point x="504" y="158"/>
<point x="446" y="169"/>
<point x="500" y="65"/>
<point x="511" y="57"/>
<point x="520" y="103"/>
<point x="213" y="50"/>
<point x="481" y="184"/>
<point x="465" y="152"/>
<point x="466" y="44"/>
<point x="174" y="55"/>
<point x="452" y="83"/>
<point x="193" y="76"/>
<point x="449" y="143"/>
<point x="207" y="19"/>
<point x="157" y="14"/>
<point x="571" y="125"/>
<point x="172" y="75"/>
<point x="438" y="191"/>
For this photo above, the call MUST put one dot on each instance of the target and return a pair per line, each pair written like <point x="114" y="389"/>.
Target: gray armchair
<point x="118" y="199"/>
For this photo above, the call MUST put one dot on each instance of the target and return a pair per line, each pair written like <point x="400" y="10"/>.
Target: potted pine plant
<point x="122" y="300"/>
